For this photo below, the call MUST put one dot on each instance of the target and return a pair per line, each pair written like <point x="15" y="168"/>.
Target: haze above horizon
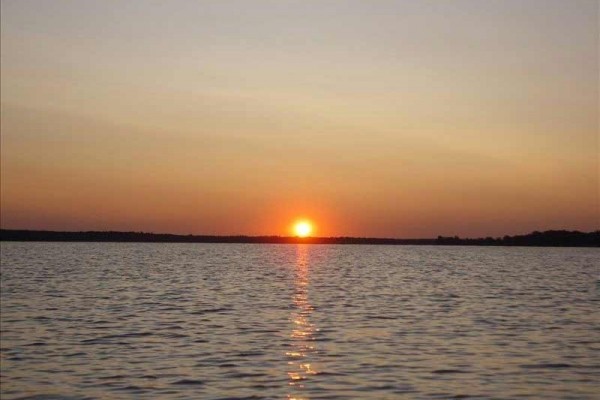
<point x="373" y="119"/>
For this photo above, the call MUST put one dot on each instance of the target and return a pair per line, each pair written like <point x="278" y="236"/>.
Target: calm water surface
<point x="215" y="321"/>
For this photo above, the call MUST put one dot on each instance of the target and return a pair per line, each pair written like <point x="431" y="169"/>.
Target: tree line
<point x="552" y="238"/>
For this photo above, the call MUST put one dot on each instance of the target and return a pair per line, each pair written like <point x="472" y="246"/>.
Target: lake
<point x="217" y="321"/>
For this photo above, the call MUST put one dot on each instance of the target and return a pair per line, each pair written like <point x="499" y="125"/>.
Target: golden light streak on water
<point x="302" y="334"/>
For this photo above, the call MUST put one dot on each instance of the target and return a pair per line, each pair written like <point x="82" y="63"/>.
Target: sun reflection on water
<point x="300" y="367"/>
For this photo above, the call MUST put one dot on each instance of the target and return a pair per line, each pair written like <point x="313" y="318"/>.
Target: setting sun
<point x="303" y="228"/>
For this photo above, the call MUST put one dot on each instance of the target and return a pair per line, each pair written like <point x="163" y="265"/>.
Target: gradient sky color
<point x="371" y="118"/>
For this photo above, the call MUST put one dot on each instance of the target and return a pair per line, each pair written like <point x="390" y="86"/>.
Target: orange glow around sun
<point x="303" y="228"/>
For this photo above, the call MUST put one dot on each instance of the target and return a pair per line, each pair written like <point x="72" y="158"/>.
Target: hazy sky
<point x="372" y="118"/>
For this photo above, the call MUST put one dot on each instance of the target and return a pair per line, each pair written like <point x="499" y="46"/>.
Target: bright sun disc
<point x="303" y="228"/>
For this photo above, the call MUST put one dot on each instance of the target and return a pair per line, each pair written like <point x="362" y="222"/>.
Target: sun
<point x="303" y="228"/>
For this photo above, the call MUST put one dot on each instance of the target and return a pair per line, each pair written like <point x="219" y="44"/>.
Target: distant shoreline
<point x="553" y="238"/>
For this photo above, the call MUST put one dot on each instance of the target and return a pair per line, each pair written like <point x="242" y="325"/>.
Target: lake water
<point x="216" y="321"/>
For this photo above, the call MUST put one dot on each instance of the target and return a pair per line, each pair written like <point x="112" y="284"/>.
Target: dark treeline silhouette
<point x="544" y="239"/>
<point x="547" y="238"/>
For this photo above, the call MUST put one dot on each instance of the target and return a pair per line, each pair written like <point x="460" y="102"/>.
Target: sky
<point x="371" y="118"/>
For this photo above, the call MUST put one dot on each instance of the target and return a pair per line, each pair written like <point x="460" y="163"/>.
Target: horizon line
<point x="237" y="235"/>
<point x="549" y="238"/>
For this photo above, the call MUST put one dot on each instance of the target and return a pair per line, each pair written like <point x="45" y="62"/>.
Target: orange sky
<point x="385" y="118"/>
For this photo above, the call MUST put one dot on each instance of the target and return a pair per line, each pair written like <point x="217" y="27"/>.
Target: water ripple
<point x="143" y="321"/>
